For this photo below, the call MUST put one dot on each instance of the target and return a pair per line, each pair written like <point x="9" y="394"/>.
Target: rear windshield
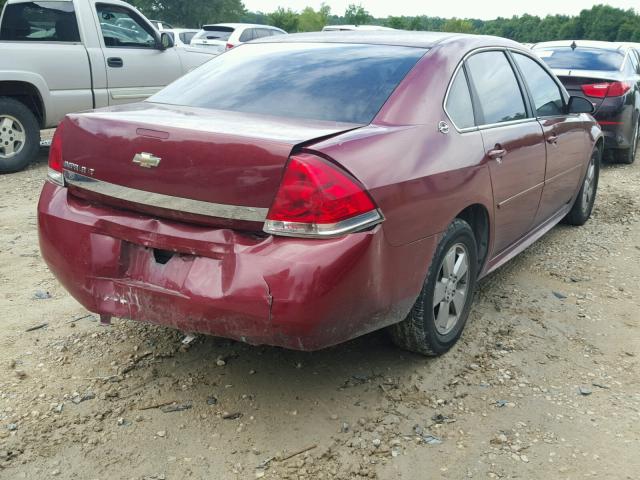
<point x="214" y="33"/>
<point x="581" y="58"/>
<point x="334" y="82"/>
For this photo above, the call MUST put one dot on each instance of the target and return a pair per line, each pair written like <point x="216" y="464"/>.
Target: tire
<point x="583" y="204"/>
<point x="19" y="135"/>
<point x="424" y="331"/>
<point x="628" y="155"/>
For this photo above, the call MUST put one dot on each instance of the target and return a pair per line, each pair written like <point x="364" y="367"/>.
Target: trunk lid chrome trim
<point x="168" y="202"/>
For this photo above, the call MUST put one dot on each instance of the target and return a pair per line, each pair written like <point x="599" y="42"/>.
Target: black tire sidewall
<point x="596" y="161"/>
<point x="459" y="232"/>
<point x="28" y="120"/>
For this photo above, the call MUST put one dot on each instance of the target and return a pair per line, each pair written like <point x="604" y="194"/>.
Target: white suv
<point x="224" y="36"/>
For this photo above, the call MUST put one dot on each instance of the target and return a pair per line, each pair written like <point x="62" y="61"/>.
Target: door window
<point x="632" y="62"/>
<point x="546" y="94"/>
<point x="122" y="27"/>
<point x="40" y="22"/>
<point x="497" y="88"/>
<point x="459" y="106"/>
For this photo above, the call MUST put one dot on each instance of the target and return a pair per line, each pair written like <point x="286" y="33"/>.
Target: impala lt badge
<point x="146" y="160"/>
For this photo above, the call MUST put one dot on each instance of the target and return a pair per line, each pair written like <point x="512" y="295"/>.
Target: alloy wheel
<point x="588" y="189"/>
<point x="451" y="288"/>
<point x="12" y="136"/>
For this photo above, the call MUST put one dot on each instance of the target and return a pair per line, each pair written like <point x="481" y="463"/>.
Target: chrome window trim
<point x="458" y="67"/>
<point x="506" y="124"/>
<point x="332" y="230"/>
<point x="159" y="200"/>
<point x="527" y="53"/>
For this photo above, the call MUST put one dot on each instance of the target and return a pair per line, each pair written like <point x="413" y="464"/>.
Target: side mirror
<point x="165" y="41"/>
<point x="580" y="105"/>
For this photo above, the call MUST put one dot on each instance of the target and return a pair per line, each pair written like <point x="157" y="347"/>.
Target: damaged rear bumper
<point x="295" y="293"/>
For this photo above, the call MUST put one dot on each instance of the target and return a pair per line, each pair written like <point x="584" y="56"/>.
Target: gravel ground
<point x="543" y="384"/>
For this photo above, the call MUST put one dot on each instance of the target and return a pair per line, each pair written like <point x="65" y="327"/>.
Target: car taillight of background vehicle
<point x="229" y="46"/>
<point x="54" y="172"/>
<point x="317" y="199"/>
<point x="606" y="89"/>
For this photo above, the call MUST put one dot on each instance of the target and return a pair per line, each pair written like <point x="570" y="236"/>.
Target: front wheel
<point x="436" y="320"/>
<point x="583" y="205"/>
<point x="19" y="135"/>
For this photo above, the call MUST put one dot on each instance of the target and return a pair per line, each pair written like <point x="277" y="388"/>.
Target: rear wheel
<point x="436" y="320"/>
<point x="19" y="135"/>
<point x="583" y="205"/>
<point x="628" y="155"/>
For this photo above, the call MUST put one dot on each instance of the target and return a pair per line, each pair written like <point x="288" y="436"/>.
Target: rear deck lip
<point x="160" y="200"/>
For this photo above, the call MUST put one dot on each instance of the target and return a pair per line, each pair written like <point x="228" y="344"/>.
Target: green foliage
<point x="312" y="21"/>
<point x="2" y="2"/>
<point x="458" y="25"/>
<point x="191" y="13"/>
<point x="284" y="19"/>
<point x="356" y="15"/>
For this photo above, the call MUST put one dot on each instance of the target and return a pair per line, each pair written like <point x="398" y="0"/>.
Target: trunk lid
<point x="184" y="162"/>
<point x="217" y="46"/>
<point x="574" y="79"/>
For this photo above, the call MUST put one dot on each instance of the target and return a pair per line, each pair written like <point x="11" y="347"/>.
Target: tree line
<point x="601" y="22"/>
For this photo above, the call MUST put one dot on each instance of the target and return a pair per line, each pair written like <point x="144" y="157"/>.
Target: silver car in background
<point x="181" y="36"/>
<point x="224" y="36"/>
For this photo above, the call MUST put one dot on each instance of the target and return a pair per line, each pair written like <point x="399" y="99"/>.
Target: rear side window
<point x="40" y="22"/>
<point x="498" y="90"/>
<point x="581" y="58"/>
<point x="459" y="106"/>
<point x="545" y="92"/>
<point x="248" y="34"/>
<point x="213" y="32"/>
<point x="263" y="32"/>
<point x="321" y="81"/>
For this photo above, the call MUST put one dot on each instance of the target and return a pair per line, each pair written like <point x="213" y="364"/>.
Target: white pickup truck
<point x="62" y="56"/>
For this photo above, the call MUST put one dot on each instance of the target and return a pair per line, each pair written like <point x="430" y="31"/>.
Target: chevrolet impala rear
<point x="303" y="190"/>
<point x="209" y="208"/>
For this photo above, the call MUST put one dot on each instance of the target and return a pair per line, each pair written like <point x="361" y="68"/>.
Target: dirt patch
<point x="543" y="384"/>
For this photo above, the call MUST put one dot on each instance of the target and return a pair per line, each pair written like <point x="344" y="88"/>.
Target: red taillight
<point x="606" y="89"/>
<point x="55" y="157"/>
<point x="229" y="46"/>
<point x="317" y="199"/>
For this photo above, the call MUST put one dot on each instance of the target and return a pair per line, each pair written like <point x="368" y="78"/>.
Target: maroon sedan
<point x="307" y="189"/>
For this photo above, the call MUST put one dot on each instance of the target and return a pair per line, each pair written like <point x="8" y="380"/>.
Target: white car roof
<point x="181" y="30"/>
<point x="245" y="25"/>
<point x="355" y="27"/>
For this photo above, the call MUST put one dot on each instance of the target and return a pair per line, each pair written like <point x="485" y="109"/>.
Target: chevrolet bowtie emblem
<point x="146" y="160"/>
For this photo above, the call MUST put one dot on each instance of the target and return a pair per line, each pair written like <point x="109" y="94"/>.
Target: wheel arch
<point x="26" y="93"/>
<point x="477" y="216"/>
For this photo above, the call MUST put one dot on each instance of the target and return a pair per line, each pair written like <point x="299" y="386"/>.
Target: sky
<point x="482" y="9"/>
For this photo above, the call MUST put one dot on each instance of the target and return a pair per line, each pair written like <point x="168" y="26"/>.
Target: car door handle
<point x="115" y="62"/>
<point x="553" y="138"/>
<point x="496" y="153"/>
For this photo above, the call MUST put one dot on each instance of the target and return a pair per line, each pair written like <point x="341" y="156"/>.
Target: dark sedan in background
<point x="608" y="75"/>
